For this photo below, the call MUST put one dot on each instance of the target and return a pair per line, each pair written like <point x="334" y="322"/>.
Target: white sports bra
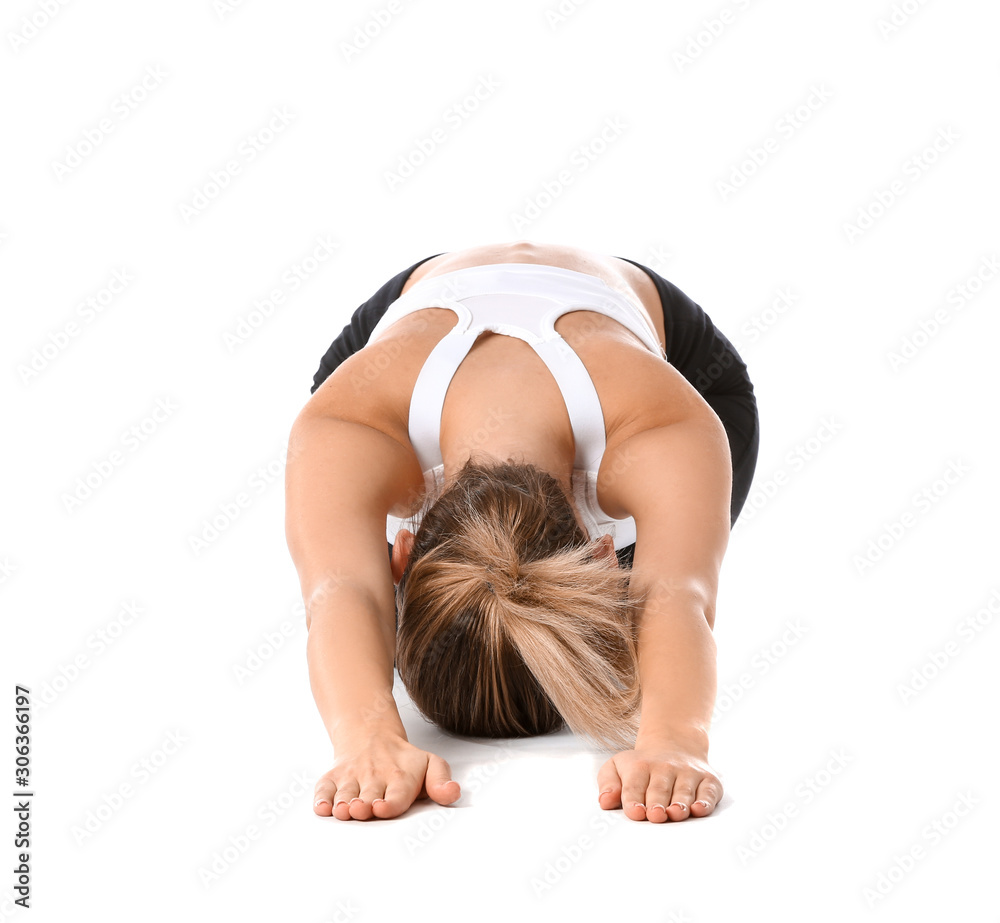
<point x="523" y="300"/>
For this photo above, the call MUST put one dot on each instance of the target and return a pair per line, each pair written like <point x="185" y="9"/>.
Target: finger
<point x="634" y="786"/>
<point x="323" y="797"/>
<point x="658" y="798"/>
<point x="438" y="781"/>
<point x="682" y="797"/>
<point x="400" y="793"/>
<point x="609" y="786"/>
<point x="358" y="808"/>
<point x="709" y="793"/>
<point x="341" y="801"/>
<point x="371" y="796"/>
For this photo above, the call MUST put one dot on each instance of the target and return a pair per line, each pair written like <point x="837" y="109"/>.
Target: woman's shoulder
<point x="614" y="271"/>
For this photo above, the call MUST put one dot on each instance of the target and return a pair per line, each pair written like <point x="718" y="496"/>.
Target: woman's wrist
<point x="688" y="737"/>
<point x="351" y="734"/>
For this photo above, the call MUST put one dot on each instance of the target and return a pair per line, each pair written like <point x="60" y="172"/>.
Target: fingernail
<point x="660" y="806"/>
<point x="320" y="801"/>
<point x="639" y="805"/>
<point x="355" y="799"/>
<point x="683" y="807"/>
<point x="376" y="800"/>
<point x="606" y="791"/>
<point x="705" y="803"/>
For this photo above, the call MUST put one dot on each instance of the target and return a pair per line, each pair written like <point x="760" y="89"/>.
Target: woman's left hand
<point x="659" y="782"/>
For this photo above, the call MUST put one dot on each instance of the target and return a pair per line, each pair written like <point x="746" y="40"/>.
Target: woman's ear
<point x="401" y="549"/>
<point x="606" y="550"/>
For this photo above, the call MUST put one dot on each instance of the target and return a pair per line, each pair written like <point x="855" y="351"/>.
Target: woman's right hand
<point x="381" y="777"/>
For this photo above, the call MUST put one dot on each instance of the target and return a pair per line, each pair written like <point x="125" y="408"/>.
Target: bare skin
<point x="651" y="414"/>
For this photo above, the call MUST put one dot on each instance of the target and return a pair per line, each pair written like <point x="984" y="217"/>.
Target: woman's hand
<point x="381" y="777"/>
<point x="659" y="782"/>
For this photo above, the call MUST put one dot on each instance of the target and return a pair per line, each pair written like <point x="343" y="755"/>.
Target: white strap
<point x="583" y="406"/>
<point x="580" y="396"/>
<point x="427" y="400"/>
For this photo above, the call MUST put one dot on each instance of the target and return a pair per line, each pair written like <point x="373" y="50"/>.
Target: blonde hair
<point x="508" y="625"/>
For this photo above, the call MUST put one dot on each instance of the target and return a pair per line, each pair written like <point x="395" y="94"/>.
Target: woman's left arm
<point x="676" y="482"/>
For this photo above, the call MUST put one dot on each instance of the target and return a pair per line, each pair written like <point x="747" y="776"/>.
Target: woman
<point x="555" y="444"/>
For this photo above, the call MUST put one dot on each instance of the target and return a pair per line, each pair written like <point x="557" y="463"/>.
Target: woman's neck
<point x="522" y="446"/>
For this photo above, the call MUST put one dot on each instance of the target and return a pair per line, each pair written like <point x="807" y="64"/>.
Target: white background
<point x="792" y="840"/>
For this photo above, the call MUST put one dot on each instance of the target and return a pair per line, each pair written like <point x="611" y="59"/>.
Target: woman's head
<point x="511" y="622"/>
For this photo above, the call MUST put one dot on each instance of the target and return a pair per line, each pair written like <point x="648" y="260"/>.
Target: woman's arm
<point x="339" y="484"/>
<point x="335" y="527"/>
<point x="714" y="368"/>
<point x="682" y="531"/>
<point x="677" y="486"/>
<point x="359" y="328"/>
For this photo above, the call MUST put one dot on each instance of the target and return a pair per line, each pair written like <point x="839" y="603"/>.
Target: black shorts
<point x="694" y="346"/>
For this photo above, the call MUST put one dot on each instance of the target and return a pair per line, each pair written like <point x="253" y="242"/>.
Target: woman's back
<point x="502" y="393"/>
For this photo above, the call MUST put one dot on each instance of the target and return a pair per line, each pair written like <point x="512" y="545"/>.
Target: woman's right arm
<point x="339" y="485"/>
